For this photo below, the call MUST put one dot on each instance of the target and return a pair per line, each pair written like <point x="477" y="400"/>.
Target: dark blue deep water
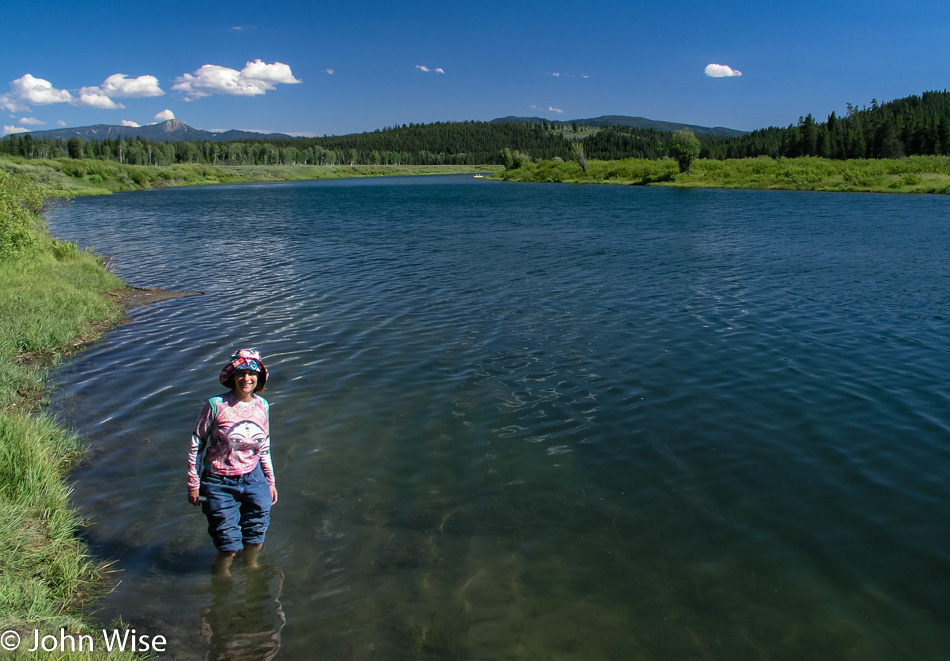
<point x="533" y="421"/>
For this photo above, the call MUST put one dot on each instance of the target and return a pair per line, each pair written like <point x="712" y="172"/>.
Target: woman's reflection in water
<point x="245" y="617"/>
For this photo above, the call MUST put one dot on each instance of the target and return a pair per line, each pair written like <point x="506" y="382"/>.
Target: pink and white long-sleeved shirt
<point x="231" y="437"/>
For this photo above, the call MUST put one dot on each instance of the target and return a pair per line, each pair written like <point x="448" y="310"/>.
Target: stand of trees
<point x="469" y="143"/>
<point x="912" y="126"/>
<point x="915" y="125"/>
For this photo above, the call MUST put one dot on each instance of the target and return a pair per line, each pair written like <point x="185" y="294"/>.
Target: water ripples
<point x="517" y="417"/>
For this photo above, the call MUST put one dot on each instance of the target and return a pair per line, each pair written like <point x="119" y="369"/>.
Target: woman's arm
<point x="199" y="440"/>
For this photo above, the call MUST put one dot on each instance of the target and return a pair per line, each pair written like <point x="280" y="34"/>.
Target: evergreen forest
<point x="914" y="125"/>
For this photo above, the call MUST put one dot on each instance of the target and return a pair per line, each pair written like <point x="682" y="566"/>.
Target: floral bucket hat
<point x="245" y="359"/>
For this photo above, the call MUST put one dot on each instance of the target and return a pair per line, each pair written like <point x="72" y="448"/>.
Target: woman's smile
<point x="245" y="382"/>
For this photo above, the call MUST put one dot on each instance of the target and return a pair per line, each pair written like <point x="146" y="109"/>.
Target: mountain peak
<point x="170" y="125"/>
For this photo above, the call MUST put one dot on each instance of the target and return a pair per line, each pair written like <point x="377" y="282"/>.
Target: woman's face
<point x="244" y="383"/>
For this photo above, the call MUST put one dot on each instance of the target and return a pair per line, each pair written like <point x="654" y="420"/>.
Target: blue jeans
<point x="237" y="507"/>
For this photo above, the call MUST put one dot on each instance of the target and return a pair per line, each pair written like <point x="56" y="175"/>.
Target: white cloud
<point x="721" y="71"/>
<point x="329" y="71"/>
<point x="8" y="129"/>
<point x="120" y="85"/>
<point x="556" y="74"/>
<point x="130" y="124"/>
<point x="270" y="73"/>
<point x="61" y="122"/>
<point x="90" y="99"/>
<point x="165" y="115"/>
<point x="9" y="103"/>
<point x="426" y="69"/>
<point x="29" y="90"/>
<point x="255" y="78"/>
<point x="31" y="121"/>
<point x="38" y="91"/>
<point x="557" y="110"/>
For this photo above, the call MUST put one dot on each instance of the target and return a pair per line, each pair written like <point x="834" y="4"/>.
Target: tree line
<point x="912" y="126"/>
<point x="465" y="143"/>
<point x="915" y="125"/>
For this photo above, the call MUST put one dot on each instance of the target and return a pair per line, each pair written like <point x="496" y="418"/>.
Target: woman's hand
<point x="193" y="497"/>
<point x="273" y="494"/>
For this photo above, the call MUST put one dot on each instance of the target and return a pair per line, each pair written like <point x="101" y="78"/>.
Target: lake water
<point x="533" y="421"/>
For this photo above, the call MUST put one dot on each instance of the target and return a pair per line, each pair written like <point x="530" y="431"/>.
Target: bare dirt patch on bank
<point x="135" y="297"/>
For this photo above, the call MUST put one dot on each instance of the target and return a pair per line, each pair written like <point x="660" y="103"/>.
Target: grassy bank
<point x="917" y="174"/>
<point x="52" y="299"/>
<point x="90" y="177"/>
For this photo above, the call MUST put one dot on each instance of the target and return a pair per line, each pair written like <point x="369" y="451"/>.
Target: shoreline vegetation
<point x="72" y="178"/>
<point x="913" y="174"/>
<point x="55" y="299"/>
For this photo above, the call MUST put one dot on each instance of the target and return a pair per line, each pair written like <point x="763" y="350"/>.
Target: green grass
<point x="49" y="307"/>
<point x="68" y="177"/>
<point x="916" y="174"/>
<point x="44" y="562"/>
<point x="51" y="301"/>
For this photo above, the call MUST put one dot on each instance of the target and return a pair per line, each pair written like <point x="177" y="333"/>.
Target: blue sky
<point x="315" y="68"/>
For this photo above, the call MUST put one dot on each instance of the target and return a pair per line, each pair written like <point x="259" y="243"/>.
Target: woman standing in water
<point x="235" y="485"/>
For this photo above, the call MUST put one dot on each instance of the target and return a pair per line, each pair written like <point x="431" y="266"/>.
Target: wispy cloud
<point x="426" y="69"/>
<point x="329" y="71"/>
<point x="31" y="121"/>
<point x="130" y="123"/>
<point x="165" y="115"/>
<point x="547" y="109"/>
<point x="721" y="71"/>
<point x="255" y="78"/>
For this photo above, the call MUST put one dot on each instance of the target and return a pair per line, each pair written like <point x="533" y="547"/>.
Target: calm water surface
<point x="534" y="422"/>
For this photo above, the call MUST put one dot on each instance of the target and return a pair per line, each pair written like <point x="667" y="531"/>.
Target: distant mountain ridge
<point x="171" y="130"/>
<point x="634" y="122"/>
<point x="174" y="130"/>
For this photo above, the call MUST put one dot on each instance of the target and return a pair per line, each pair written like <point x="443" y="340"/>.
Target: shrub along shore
<point x="914" y="174"/>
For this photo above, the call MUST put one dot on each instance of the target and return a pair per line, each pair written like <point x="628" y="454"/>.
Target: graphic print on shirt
<point x="236" y="444"/>
<point x="231" y="437"/>
<point x="246" y="435"/>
